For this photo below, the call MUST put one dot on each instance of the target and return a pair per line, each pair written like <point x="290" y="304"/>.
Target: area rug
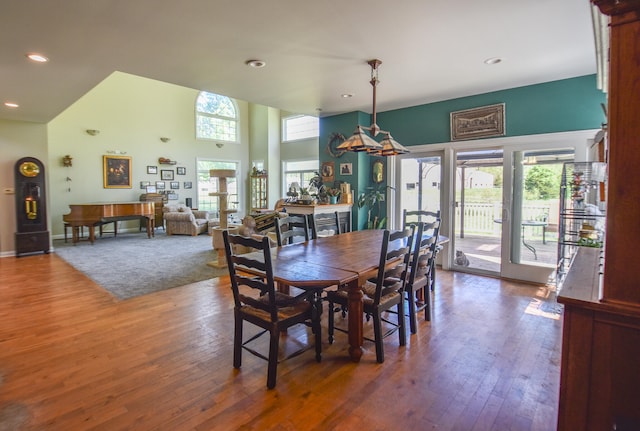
<point x="131" y="264"/>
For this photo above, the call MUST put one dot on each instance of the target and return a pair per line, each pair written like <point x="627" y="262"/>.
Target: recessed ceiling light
<point x="347" y="95"/>
<point x="39" y="58"/>
<point x="11" y="105"/>
<point x="493" y="60"/>
<point x="256" y="63"/>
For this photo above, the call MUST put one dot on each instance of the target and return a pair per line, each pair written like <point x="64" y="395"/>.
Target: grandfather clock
<point x="31" y="209"/>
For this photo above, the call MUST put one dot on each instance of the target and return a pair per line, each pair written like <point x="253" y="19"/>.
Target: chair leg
<point x="330" y="322"/>
<point x="427" y="303"/>
<point x="318" y="334"/>
<point x="377" y="330"/>
<point x="413" y="320"/>
<point x="401" y="323"/>
<point x="274" y="335"/>
<point x="237" y="341"/>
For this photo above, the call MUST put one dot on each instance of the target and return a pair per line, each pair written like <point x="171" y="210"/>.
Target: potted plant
<point x="373" y="199"/>
<point x="333" y="194"/>
<point x="305" y="197"/>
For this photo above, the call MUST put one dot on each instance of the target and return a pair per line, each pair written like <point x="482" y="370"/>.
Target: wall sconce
<point x="67" y="161"/>
<point x="219" y="145"/>
<point x="92" y="132"/>
<point x="165" y="140"/>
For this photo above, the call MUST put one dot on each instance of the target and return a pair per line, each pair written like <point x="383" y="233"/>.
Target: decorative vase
<point x="333" y="200"/>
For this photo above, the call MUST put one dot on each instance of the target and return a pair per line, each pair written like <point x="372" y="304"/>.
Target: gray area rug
<point x="131" y="264"/>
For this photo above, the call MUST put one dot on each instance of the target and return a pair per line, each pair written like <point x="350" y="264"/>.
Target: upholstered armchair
<point x="181" y="220"/>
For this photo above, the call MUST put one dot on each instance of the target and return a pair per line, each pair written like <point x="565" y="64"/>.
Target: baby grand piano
<point x="92" y="215"/>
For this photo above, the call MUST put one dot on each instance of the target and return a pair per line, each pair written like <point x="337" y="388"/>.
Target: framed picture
<point x="160" y="185"/>
<point x="116" y="172"/>
<point x="187" y="184"/>
<point x="181" y="171"/>
<point x="152" y="189"/>
<point x="480" y="122"/>
<point x="174" y="185"/>
<point x="144" y="184"/>
<point x="152" y="170"/>
<point x="327" y="172"/>
<point x="172" y="196"/>
<point x="346" y="169"/>
<point x="166" y="174"/>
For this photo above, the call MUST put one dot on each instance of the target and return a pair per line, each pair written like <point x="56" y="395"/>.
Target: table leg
<point x="355" y="321"/>
<point x="529" y="246"/>
<point x="92" y="233"/>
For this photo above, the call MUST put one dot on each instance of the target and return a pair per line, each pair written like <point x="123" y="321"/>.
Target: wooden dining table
<point x="348" y="259"/>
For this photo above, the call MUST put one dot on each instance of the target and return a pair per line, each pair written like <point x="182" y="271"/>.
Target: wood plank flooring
<point x="74" y="358"/>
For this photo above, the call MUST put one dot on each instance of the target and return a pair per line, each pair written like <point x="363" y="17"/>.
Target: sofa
<point x="179" y="219"/>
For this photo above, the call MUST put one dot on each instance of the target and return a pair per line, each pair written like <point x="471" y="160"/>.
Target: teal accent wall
<point x="558" y="106"/>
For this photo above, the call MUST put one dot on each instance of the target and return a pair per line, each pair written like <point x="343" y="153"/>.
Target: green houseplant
<point x="372" y="199"/>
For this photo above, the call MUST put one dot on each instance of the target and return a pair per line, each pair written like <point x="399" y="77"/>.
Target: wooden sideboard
<point x="600" y="370"/>
<point x="343" y="209"/>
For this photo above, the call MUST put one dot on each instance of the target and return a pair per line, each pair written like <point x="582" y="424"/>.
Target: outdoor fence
<point x="483" y="219"/>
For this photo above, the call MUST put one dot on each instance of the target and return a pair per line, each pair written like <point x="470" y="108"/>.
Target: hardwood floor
<point x="74" y="358"/>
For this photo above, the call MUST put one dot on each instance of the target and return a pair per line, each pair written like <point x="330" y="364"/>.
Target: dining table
<point x="345" y="260"/>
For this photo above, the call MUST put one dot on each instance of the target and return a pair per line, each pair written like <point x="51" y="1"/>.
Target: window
<point x="298" y="172"/>
<point x="216" y="118"/>
<point x="207" y="185"/>
<point x="300" y="127"/>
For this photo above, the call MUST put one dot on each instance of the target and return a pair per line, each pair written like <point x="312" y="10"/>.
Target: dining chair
<point x="325" y="224"/>
<point x="382" y="293"/>
<point x="292" y="228"/>
<point x="418" y="287"/>
<point x="413" y="217"/>
<point x="344" y="221"/>
<point x="257" y="301"/>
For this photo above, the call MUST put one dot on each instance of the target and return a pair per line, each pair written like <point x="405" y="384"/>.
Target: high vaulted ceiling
<point x="315" y="51"/>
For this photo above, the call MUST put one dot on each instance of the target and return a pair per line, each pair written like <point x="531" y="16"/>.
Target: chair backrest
<point x="424" y="251"/>
<point x="324" y="224"/>
<point x="414" y="217"/>
<point x="292" y="228"/>
<point x="344" y="221"/>
<point x="260" y="285"/>
<point x="396" y="247"/>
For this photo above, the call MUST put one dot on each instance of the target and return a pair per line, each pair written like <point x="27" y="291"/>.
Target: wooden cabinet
<point x="159" y="200"/>
<point x="259" y="193"/>
<point x="600" y="376"/>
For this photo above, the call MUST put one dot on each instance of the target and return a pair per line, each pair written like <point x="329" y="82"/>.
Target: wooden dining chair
<point x="325" y="224"/>
<point x="414" y="217"/>
<point x="257" y="301"/>
<point x="418" y="287"/>
<point x="344" y="221"/>
<point x="382" y="293"/>
<point x="292" y="228"/>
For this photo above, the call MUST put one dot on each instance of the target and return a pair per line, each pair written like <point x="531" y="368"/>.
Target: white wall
<point x="131" y="113"/>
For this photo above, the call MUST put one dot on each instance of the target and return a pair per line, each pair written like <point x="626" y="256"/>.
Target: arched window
<point x="216" y="118"/>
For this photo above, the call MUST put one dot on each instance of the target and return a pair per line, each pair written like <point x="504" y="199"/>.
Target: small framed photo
<point x="346" y="169"/>
<point x="174" y="185"/>
<point x="152" y="170"/>
<point x="152" y="189"/>
<point x="160" y="185"/>
<point x="187" y="184"/>
<point x="144" y="184"/>
<point x="172" y="196"/>
<point x="166" y="174"/>
<point x="181" y="171"/>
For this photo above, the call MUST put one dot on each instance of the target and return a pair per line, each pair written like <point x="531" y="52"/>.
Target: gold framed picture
<point x="482" y="122"/>
<point x="116" y="172"/>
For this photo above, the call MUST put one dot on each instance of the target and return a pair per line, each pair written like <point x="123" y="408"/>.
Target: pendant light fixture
<point x="360" y="141"/>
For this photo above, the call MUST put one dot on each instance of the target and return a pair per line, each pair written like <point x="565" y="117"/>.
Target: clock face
<point x="29" y="169"/>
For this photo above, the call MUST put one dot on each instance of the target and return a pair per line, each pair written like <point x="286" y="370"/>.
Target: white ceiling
<point x="315" y="51"/>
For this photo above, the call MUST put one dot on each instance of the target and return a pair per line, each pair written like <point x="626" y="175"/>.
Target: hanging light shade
<point x="390" y="147"/>
<point x="360" y="141"/>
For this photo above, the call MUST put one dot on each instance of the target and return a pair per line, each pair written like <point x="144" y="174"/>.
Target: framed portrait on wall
<point x="327" y="172"/>
<point x="152" y="169"/>
<point x="116" y="172"/>
<point x="166" y="174"/>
